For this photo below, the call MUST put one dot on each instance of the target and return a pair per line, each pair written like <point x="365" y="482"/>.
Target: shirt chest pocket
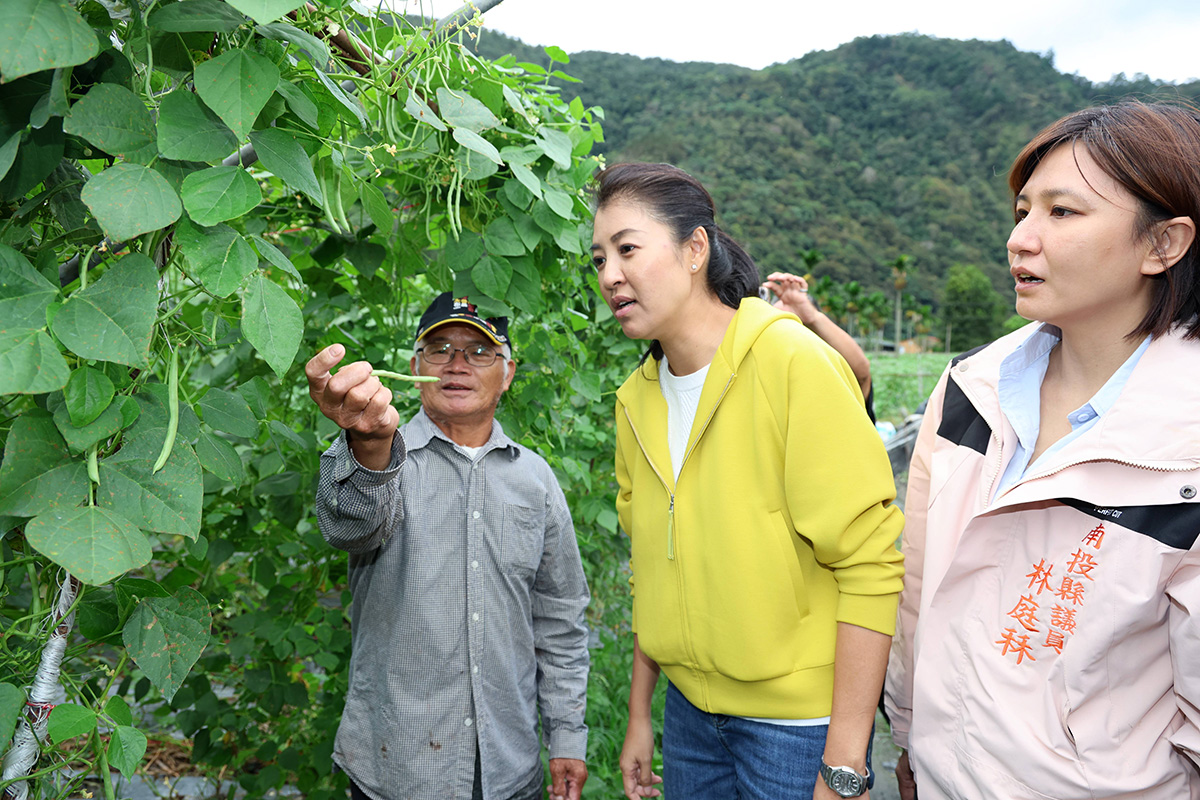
<point x="522" y="537"/>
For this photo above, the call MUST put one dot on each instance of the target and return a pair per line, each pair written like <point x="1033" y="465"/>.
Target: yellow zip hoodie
<point x="781" y="524"/>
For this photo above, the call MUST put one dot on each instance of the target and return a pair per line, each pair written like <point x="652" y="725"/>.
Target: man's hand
<point x="567" y="776"/>
<point x="357" y="402"/>
<point x="906" y="782"/>
<point x="637" y="757"/>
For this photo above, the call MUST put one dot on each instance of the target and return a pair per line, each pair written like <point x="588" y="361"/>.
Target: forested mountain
<point x="885" y="146"/>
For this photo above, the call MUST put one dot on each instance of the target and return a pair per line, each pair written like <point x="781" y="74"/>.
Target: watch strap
<point x="835" y="777"/>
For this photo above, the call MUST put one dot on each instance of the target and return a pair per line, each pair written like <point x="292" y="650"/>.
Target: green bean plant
<point x="195" y="196"/>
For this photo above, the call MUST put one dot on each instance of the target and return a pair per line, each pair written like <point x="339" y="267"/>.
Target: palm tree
<point x="900" y="280"/>
<point x="854" y="294"/>
<point x="875" y="311"/>
<point x="829" y="297"/>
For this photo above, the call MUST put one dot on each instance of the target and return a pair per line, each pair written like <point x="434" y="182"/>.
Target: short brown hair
<point x="1153" y="151"/>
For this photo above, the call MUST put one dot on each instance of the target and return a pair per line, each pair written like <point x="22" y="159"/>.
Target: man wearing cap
<point x="468" y="589"/>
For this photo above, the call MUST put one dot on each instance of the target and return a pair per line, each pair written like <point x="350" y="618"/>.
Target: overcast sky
<point x="1097" y="39"/>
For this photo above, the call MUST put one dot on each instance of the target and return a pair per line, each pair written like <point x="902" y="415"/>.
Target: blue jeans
<point x="727" y="758"/>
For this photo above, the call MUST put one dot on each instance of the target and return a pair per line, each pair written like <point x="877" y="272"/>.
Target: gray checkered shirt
<point x="468" y="615"/>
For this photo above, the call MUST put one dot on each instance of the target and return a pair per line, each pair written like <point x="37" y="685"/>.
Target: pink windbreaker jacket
<point x="1048" y="639"/>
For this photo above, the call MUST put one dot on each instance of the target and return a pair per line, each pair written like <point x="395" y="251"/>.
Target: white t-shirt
<point x="682" y="393"/>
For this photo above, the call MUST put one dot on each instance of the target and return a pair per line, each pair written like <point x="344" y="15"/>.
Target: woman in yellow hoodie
<point x="758" y="499"/>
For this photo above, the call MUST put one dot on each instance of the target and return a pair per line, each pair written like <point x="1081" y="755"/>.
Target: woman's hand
<point x="823" y="792"/>
<point x="637" y="757"/>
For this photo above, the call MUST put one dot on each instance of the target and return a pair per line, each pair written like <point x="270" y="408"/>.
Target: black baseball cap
<point x="447" y="308"/>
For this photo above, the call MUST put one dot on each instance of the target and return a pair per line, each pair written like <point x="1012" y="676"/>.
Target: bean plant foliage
<point x="195" y="196"/>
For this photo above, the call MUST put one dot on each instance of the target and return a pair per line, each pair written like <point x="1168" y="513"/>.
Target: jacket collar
<point x="641" y="396"/>
<point x="1153" y="422"/>
<point x="752" y="318"/>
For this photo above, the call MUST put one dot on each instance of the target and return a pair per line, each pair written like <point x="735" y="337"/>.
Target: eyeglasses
<point x="477" y="355"/>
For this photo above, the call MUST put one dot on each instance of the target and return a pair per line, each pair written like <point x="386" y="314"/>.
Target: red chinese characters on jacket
<point x="1051" y="606"/>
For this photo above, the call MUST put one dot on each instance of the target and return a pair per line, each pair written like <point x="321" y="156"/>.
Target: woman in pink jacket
<point x="1049" y="631"/>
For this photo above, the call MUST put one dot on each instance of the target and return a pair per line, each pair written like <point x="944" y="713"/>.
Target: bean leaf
<point x="116" y="121"/>
<point x="492" y="275"/>
<point x="281" y="153"/>
<point x="228" y="412"/>
<point x="12" y="702"/>
<point x="30" y="363"/>
<point x="219" y="193"/>
<point x="89" y="391"/>
<point x="217" y="257"/>
<point x="111" y="320"/>
<point x="167" y="501"/>
<point x="220" y="458"/>
<point x="38" y="473"/>
<point x="189" y="130"/>
<point x="42" y="34"/>
<point x="461" y="110"/>
<point x="166" y="635"/>
<point x="272" y="322"/>
<point x="69" y="720"/>
<point x="264" y="11"/>
<point x="131" y="199"/>
<point x="93" y="544"/>
<point x="236" y="85"/>
<point x="126" y="746"/>
<point x="197" y="16"/>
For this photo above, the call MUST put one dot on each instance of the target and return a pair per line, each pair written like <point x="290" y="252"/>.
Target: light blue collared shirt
<point x="1020" y="392"/>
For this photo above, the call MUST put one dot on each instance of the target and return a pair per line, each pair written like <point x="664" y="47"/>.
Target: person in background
<point x="468" y="589"/>
<point x="1048" y="642"/>
<point x="758" y="500"/>
<point x="791" y="293"/>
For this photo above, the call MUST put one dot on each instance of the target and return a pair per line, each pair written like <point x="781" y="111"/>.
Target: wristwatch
<point x="845" y="781"/>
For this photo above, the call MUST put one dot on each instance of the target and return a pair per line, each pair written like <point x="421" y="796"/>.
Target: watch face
<point x="846" y="783"/>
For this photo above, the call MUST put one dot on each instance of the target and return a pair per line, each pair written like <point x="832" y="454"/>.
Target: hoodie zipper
<point x="671" y="494"/>
<point x="671" y="508"/>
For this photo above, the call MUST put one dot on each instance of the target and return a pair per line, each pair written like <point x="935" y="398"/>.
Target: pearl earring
<point x="694" y="267"/>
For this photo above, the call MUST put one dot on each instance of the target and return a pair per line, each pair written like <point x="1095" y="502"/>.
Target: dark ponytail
<point x="680" y="202"/>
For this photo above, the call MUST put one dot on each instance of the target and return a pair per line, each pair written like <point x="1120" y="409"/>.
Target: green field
<point x="902" y="382"/>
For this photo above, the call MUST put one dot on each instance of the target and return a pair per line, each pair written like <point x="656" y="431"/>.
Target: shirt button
<point x="475" y="617"/>
<point x="333" y="503"/>
<point x="474" y="565"/>
<point x="475" y="669"/>
<point x="468" y="722"/>
<point x="475" y="515"/>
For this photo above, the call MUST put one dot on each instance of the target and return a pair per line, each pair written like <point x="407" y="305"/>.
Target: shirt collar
<point x="1021" y="375"/>
<point x="1036" y="347"/>
<point x="421" y="430"/>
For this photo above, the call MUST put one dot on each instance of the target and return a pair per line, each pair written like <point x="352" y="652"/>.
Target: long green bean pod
<point x="324" y="182"/>
<point x="93" y="467"/>
<point x="338" y="204"/>
<point x="172" y="411"/>
<point x="396" y="376"/>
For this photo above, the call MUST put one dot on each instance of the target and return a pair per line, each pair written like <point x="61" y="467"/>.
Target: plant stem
<point x="105" y="772"/>
<point x="35" y="605"/>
